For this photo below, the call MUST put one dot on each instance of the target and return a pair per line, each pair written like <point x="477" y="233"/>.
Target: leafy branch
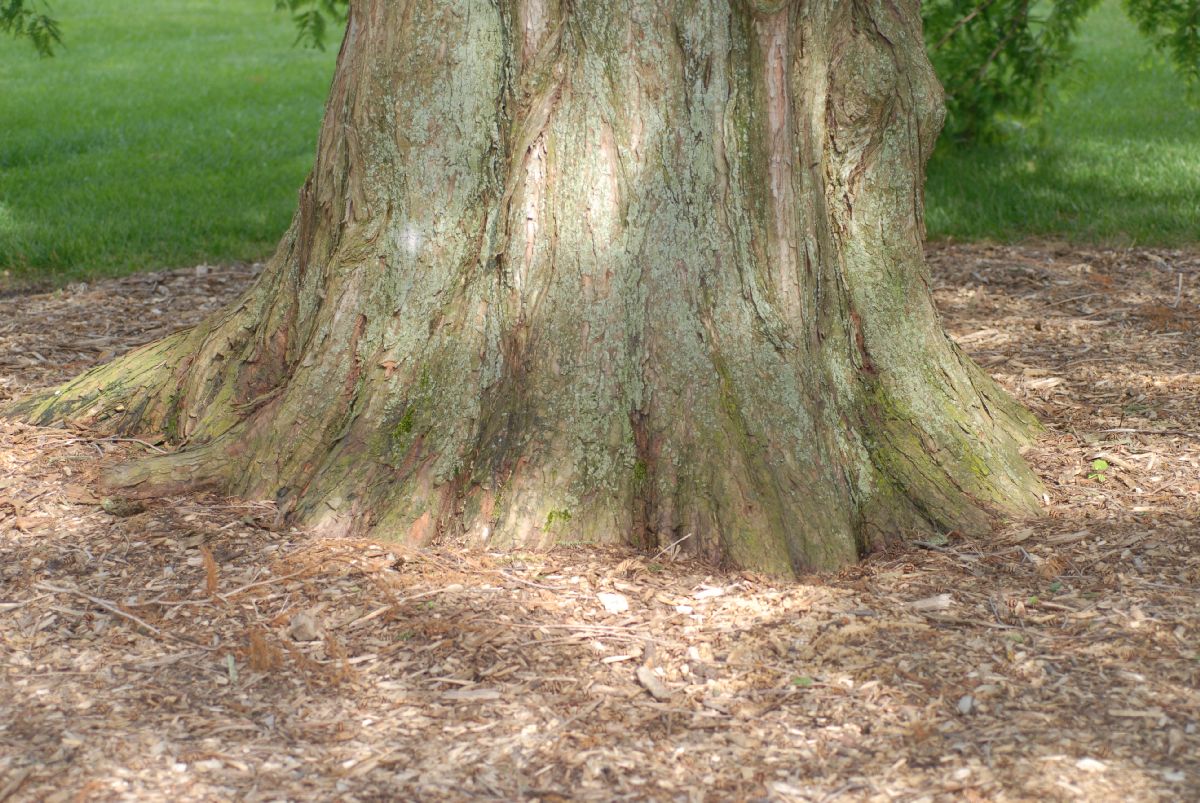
<point x="30" y="19"/>
<point x="312" y="18"/>
<point x="996" y="58"/>
<point x="1174" y="27"/>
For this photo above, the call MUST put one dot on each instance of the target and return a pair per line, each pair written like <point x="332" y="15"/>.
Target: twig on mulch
<point x="15" y="784"/>
<point x="138" y="441"/>
<point x="1169" y="432"/>
<point x="671" y="546"/>
<point x="117" y="611"/>
<point x="7" y="607"/>
<point x="228" y="595"/>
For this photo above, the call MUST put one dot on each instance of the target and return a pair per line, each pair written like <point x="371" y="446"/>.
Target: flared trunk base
<point x="597" y="272"/>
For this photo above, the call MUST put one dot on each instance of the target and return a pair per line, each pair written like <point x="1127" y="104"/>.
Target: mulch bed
<point x="188" y="649"/>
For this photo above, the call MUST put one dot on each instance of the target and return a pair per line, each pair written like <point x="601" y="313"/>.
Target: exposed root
<point x="128" y="395"/>
<point x="194" y="468"/>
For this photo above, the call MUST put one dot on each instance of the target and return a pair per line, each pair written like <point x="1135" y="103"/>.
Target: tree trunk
<point x="582" y="271"/>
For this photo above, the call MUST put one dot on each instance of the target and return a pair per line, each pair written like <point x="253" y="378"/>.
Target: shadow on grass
<point x="1012" y="193"/>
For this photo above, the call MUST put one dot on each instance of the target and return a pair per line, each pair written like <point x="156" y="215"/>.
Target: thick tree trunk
<point x="571" y="270"/>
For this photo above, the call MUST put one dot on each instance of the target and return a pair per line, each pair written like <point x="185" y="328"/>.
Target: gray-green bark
<point x="597" y="271"/>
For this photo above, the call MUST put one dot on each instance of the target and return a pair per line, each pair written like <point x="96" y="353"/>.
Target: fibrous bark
<point x="597" y="271"/>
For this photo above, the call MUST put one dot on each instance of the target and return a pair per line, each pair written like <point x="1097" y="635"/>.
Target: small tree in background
<point x="996" y="58"/>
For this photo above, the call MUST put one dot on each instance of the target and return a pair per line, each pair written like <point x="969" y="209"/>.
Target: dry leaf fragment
<point x="1047" y="383"/>
<point x="78" y="495"/>
<point x="1020" y="536"/>
<point x="1126" y="713"/>
<point x="939" y="602"/>
<point x="262" y="655"/>
<point x="210" y="571"/>
<point x="15" y="782"/>
<point x="613" y="603"/>
<point x="304" y="627"/>
<point x="191" y="541"/>
<point x="1068" y="538"/>
<point x="720" y="705"/>
<point x="1052" y="567"/>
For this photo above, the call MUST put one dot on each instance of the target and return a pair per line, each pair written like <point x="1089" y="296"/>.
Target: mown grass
<point x="165" y="133"/>
<point x="178" y="132"/>
<point x="1115" y="160"/>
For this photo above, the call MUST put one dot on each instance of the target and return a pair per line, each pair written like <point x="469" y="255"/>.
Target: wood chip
<point x="652" y="684"/>
<point x="452" y="673"/>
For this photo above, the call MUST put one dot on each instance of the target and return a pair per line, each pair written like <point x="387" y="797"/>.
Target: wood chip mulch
<point x="187" y="649"/>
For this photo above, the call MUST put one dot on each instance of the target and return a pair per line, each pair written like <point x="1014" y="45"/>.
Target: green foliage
<point x="30" y="19"/>
<point x="996" y="58"/>
<point x="106" y="168"/>
<point x="312" y="18"/>
<point x="1174" y="27"/>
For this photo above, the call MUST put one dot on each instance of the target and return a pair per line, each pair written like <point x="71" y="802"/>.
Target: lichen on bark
<point x="639" y="271"/>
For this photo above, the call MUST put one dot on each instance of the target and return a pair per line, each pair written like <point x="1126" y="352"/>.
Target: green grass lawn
<point x="178" y="131"/>
<point x="1116" y="160"/>
<point x="165" y="133"/>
